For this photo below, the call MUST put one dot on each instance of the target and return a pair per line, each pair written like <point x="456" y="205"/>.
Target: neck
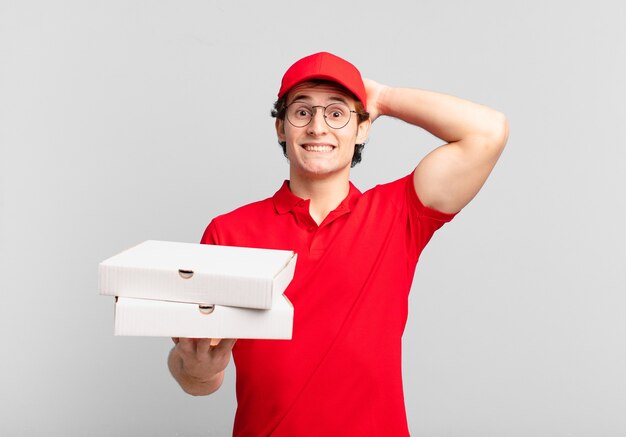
<point x="325" y="193"/>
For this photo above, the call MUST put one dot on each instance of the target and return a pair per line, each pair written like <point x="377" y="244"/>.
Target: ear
<point x="280" y="129"/>
<point x="363" y="131"/>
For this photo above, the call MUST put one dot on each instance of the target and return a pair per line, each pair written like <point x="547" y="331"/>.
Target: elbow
<point x="490" y="136"/>
<point x="490" y="141"/>
<point x="499" y="132"/>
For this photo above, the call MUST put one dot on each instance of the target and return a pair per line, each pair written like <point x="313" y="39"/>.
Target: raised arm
<point x="475" y="135"/>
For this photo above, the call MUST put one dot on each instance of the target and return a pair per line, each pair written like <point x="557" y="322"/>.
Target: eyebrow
<point x="332" y="98"/>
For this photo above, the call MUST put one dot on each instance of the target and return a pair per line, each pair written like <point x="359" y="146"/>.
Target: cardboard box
<point x="198" y="273"/>
<point x="143" y="317"/>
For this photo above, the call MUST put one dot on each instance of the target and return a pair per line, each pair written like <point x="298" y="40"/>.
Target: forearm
<point x="447" y="117"/>
<point x="190" y="384"/>
<point x="449" y="176"/>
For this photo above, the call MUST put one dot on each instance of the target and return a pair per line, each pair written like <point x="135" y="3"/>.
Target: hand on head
<point x="374" y="91"/>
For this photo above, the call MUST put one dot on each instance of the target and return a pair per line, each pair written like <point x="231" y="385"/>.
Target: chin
<point x="317" y="171"/>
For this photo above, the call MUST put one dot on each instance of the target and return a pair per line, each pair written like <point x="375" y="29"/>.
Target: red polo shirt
<point x="341" y="373"/>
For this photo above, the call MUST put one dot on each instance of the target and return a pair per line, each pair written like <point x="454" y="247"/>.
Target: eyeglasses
<point x="336" y="115"/>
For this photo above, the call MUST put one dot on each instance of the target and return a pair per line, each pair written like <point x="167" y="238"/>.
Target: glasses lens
<point x="337" y="115"/>
<point x="299" y="114"/>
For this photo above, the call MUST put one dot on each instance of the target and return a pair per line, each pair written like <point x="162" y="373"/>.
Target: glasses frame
<point x="314" y="112"/>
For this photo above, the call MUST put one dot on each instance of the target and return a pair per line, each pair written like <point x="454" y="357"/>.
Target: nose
<point x="317" y="125"/>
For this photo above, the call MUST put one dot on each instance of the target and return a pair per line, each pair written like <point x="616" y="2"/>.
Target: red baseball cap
<point x="325" y="66"/>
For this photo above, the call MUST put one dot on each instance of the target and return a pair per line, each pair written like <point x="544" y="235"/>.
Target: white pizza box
<point x="145" y="317"/>
<point x="198" y="273"/>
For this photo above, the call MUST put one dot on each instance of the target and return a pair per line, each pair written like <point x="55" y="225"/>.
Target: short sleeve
<point x="210" y="235"/>
<point x="423" y="221"/>
<point x="419" y="207"/>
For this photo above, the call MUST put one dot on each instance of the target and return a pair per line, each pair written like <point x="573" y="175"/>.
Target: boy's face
<point x="317" y="150"/>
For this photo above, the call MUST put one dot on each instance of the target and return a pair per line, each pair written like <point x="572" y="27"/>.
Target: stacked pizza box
<point x="191" y="290"/>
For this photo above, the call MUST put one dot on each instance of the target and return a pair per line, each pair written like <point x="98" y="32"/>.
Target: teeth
<point x="310" y="148"/>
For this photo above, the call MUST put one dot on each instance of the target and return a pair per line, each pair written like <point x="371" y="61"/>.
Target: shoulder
<point x="401" y="193"/>
<point x="238" y="219"/>
<point x="389" y="193"/>
<point x="245" y="212"/>
<point x="397" y="186"/>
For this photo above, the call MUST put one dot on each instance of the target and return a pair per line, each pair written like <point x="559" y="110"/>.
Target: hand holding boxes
<point x="194" y="290"/>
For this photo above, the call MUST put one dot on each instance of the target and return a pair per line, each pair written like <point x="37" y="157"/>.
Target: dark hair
<point x="280" y="107"/>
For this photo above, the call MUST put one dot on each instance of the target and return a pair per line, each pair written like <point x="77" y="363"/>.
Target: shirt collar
<point x="285" y="201"/>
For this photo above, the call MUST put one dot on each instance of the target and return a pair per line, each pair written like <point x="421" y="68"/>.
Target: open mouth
<point x="320" y="148"/>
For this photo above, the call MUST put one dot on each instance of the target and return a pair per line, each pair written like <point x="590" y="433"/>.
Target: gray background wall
<point x="125" y="121"/>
